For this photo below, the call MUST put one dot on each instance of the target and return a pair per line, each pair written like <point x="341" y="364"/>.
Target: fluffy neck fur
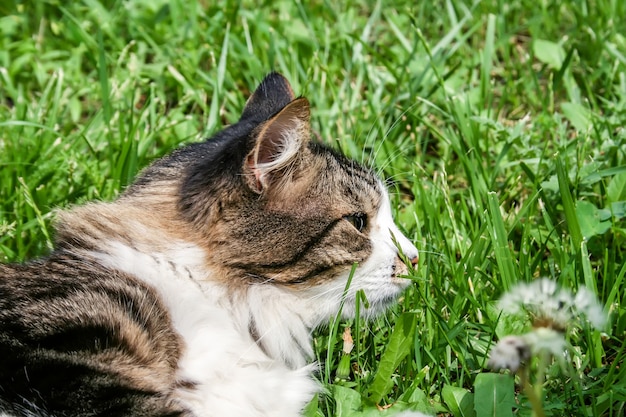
<point x="125" y="237"/>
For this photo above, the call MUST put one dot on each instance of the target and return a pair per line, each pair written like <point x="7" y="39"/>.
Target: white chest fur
<point x="230" y="372"/>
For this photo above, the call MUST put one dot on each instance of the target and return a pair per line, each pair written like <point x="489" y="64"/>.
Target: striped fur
<point x="195" y="293"/>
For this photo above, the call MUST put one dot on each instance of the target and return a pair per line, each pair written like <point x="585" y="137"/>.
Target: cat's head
<point x="271" y="207"/>
<point x="276" y="208"/>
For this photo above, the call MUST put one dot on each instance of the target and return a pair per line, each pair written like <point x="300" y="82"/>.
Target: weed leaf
<point x="459" y="401"/>
<point x="494" y="395"/>
<point x="348" y="401"/>
<point x="350" y="404"/>
<point x="578" y="115"/>
<point x="616" y="190"/>
<point x="549" y="53"/>
<point x="590" y="219"/>
<point x="400" y="343"/>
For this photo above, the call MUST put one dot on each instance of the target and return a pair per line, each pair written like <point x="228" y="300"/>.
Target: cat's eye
<point x="358" y="220"/>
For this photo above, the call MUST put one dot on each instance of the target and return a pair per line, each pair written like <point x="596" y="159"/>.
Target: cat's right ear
<point x="278" y="145"/>
<point x="272" y="95"/>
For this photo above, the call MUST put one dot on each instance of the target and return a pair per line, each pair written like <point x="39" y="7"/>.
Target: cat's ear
<point x="278" y="145"/>
<point x="273" y="94"/>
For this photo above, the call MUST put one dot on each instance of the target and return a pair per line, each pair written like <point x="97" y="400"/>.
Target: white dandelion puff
<point x="552" y="311"/>
<point x="586" y="301"/>
<point x="546" y="340"/>
<point x="551" y="306"/>
<point x="514" y="351"/>
<point x="510" y="352"/>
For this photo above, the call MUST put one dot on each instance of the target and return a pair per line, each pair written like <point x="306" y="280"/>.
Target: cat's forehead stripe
<point x="355" y="173"/>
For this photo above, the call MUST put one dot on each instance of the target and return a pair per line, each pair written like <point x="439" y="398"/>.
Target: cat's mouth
<point x="380" y="301"/>
<point x="399" y="274"/>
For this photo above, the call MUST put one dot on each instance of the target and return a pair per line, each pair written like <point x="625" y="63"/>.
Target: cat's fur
<point x="195" y="292"/>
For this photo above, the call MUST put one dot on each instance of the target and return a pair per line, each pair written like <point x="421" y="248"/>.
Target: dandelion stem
<point x="531" y="393"/>
<point x="544" y="360"/>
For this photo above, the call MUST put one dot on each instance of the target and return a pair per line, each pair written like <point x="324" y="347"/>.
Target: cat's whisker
<point x="389" y="161"/>
<point x="427" y="252"/>
<point x="337" y="290"/>
<point x="381" y="141"/>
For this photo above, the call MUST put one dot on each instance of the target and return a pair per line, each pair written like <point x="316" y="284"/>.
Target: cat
<point x="196" y="291"/>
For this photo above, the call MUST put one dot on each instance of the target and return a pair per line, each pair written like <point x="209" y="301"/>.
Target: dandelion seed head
<point x="543" y="339"/>
<point x="510" y="352"/>
<point x="586" y="301"/>
<point x="550" y="306"/>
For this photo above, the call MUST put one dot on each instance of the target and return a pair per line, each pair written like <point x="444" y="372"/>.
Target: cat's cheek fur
<point x="380" y="277"/>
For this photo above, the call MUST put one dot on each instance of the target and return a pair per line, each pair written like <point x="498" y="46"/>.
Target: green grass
<point x="499" y="125"/>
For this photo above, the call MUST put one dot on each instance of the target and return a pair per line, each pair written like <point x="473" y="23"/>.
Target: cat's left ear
<point x="272" y="95"/>
<point x="278" y="145"/>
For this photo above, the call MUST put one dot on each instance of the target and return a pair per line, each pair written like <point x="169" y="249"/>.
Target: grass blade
<point x="568" y="205"/>
<point x="509" y="274"/>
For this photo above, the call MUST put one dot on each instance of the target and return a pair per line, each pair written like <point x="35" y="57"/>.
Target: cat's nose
<point x="415" y="260"/>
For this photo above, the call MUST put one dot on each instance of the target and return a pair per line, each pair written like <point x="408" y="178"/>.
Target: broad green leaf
<point x="617" y="210"/>
<point x="417" y="396"/>
<point x="494" y="395"/>
<point x="549" y="53"/>
<point x="459" y="401"/>
<point x="399" y="346"/>
<point x="579" y="116"/>
<point x="616" y="190"/>
<point x="591" y="219"/>
<point x="348" y="401"/>
<point x="413" y="394"/>
<point x="349" y="404"/>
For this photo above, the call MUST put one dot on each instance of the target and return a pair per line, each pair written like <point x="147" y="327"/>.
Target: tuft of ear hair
<point x="279" y="142"/>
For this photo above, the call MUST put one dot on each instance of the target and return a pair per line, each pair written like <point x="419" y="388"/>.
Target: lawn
<point x="499" y="127"/>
